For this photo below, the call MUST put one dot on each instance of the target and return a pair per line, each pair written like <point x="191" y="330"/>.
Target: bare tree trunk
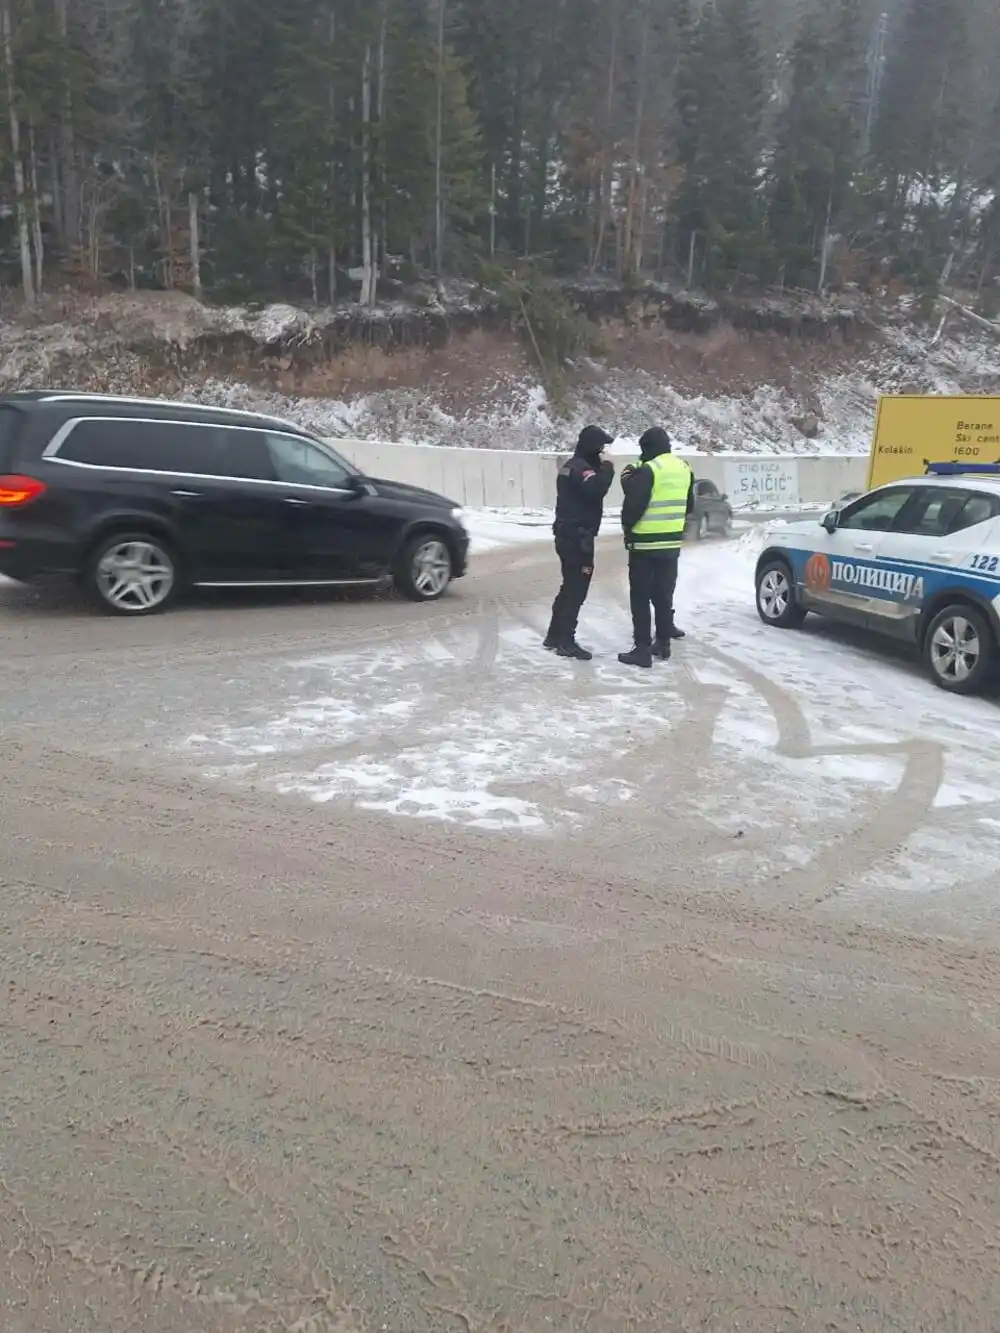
<point x="36" y="213"/>
<point x="367" y="256"/>
<point x="383" y="236"/>
<point x="607" y="166"/>
<point x="970" y="315"/>
<point x="166" y="238"/>
<point x="194" y="236"/>
<point x="23" y="232"/>
<point x="493" y="210"/>
<point x="332" y="176"/>
<point x="439" y="148"/>
<point x="95" y="207"/>
<point x="639" y="236"/>
<point x="58" y="216"/>
<point x="824" y="260"/>
<point x="628" y="255"/>
<point x="67" y="146"/>
<point x="313" y="278"/>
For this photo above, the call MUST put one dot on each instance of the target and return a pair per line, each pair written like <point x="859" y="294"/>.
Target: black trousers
<point x="577" y="571"/>
<point x="652" y="577"/>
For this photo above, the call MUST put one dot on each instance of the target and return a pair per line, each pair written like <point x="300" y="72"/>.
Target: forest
<point x="324" y="150"/>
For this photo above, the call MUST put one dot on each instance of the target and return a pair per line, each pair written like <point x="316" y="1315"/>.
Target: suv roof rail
<point x="65" y="396"/>
<point x="961" y="469"/>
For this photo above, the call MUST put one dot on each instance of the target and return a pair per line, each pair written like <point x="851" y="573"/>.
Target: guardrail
<point x="507" y="478"/>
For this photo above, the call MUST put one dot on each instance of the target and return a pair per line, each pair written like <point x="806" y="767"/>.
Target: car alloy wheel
<point x="774" y="594"/>
<point x="431" y="568"/>
<point x="776" y="601"/>
<point x="956" y="649"/>
<point x="135" y="576"/>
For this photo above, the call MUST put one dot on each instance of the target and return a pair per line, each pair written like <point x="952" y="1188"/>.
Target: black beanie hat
<point x="592" y="441"/>
<point x="654" y="442"/>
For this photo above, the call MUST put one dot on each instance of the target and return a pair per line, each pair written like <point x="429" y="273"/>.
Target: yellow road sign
<point x="914" y="429"/>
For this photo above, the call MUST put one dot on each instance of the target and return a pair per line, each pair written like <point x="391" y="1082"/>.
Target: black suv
<point x="141" y="498"/>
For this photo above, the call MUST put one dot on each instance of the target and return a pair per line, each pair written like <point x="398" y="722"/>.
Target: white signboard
<point x="770" y="483"/>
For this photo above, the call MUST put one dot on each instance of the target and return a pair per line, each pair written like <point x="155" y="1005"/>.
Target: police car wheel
<point x="959" y="649"/>
<point x="776" y="604"/>
<point x="703" y="527"/>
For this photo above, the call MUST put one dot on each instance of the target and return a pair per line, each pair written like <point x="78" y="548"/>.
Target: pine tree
<point x="721" y="101"/>
<point x="267" y="148"/>
<point x="922" y="135"/>
<point x="819" y="142"/>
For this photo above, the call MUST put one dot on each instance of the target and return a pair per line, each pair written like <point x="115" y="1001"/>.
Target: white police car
<point x="918" y="560"/>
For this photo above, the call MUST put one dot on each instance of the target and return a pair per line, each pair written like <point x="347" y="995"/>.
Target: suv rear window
<point x="159" y="446"/>
<point x="182" y="447"/>
<point x="10" y="425"/>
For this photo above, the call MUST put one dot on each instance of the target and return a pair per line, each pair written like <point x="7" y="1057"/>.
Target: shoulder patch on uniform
<point x="589" y="472"/>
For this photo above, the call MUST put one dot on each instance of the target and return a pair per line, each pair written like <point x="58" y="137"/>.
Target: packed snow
<point x="477" y="725"/>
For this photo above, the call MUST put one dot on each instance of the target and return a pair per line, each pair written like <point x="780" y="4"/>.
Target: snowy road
<point x="828" y="763"/>
<point x="368" y="968"/>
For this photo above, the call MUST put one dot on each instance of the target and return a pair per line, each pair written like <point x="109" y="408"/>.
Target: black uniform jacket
<point x="580" y="490"/>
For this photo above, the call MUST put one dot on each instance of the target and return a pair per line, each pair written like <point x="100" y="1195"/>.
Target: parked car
<point x="917" y="560"/>
<point x="140" y="499"/>
<point x="712" y="511"/>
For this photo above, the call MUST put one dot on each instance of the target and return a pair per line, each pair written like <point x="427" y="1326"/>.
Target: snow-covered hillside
<point x="766" y="419"/>
<point x="772" y="377"/>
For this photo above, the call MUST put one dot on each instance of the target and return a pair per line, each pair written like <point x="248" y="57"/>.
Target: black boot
<point x="638" y="657"/>
<point x="674" y="633"/>
<point x="661" y="650"/>
<point x="549" y="643"/>
<point x="573" y="650"/>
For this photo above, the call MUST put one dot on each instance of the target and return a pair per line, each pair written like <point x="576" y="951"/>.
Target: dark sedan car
<point x="713" y="514"/>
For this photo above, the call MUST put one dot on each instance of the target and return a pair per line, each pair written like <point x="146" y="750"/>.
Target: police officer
<point x="581" y="486"/>
<point x="658" y="497"/>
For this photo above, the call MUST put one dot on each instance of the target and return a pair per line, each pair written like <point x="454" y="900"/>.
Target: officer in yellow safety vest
<point x="658" y="497"/>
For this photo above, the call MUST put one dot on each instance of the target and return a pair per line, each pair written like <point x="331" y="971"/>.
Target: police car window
<point x="977" y="509"/>
<point x="931" y="514"/>
<point x="875" y="513"/>
<point x="937" y="511"/>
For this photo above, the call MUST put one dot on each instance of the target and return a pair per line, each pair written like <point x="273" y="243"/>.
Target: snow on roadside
<point x="484" y="729"/>
<point x="492" y="529"/>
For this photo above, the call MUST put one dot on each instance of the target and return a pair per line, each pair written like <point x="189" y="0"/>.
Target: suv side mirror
<point x="831" y="521"/>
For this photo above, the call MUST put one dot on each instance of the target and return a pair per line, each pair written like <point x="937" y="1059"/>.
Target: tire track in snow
<point x="450" y="691"/>
<point x="888" y="823"/>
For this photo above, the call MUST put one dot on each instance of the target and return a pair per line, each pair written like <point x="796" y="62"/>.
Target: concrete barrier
<point x="507" y="478"/>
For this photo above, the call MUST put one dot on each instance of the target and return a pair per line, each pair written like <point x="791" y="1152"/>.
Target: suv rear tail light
<point x="16" y="491"/>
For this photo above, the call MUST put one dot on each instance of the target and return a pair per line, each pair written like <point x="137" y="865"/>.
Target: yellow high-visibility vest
<point x="661" y="527"/>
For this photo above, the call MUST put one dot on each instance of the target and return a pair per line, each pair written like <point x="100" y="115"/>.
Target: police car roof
<point x="963" y="480"/>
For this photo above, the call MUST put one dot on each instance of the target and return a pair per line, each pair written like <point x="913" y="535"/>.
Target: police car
<point x="918" y="560"/>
